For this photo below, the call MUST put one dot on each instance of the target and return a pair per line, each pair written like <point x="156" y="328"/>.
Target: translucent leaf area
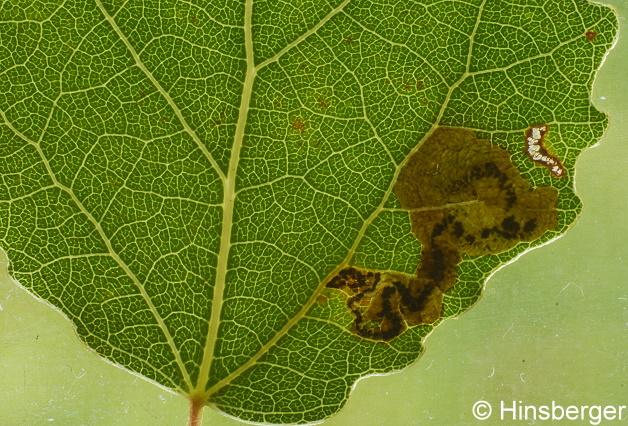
<point x="213" y="192"/>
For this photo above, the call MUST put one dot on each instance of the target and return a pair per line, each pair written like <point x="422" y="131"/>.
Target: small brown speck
<point x="590" y="35"/>
<point x="299" y="125"/>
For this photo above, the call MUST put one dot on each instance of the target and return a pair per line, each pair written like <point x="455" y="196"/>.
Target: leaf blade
<point x="319" y="205"/>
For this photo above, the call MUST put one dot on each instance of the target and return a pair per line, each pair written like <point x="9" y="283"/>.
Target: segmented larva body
<point x="537" y="152"/>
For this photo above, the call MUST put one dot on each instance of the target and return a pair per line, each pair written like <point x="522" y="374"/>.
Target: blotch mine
<point x="463" y="196"/>
<point x="382" y="302"/>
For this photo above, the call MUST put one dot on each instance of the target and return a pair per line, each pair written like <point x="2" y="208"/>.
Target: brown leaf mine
<point x="463" y="196"/>
<point x="381" y="303"/>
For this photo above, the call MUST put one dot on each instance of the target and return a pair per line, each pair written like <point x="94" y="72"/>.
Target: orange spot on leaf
<point x="590" y="35"/>
<point x="322" y="103"/>
<point x="299" y="125"/>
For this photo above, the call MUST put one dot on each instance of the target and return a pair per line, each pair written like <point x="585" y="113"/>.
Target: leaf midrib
<point x="230" y="190"/>
<point x="228" y="206"/>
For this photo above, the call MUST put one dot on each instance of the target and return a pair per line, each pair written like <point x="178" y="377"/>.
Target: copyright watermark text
<point x="517" y="410"/>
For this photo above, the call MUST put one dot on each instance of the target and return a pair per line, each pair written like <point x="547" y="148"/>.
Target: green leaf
<point x="190" y="184"/>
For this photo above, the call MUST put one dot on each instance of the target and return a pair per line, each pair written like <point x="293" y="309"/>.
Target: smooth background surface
<point x="551" y="326"/>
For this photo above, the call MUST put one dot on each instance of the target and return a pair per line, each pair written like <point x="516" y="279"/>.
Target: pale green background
<point x="551" y="326"/>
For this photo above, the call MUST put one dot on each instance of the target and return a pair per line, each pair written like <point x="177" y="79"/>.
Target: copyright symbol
<point x="482" y="410"/>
